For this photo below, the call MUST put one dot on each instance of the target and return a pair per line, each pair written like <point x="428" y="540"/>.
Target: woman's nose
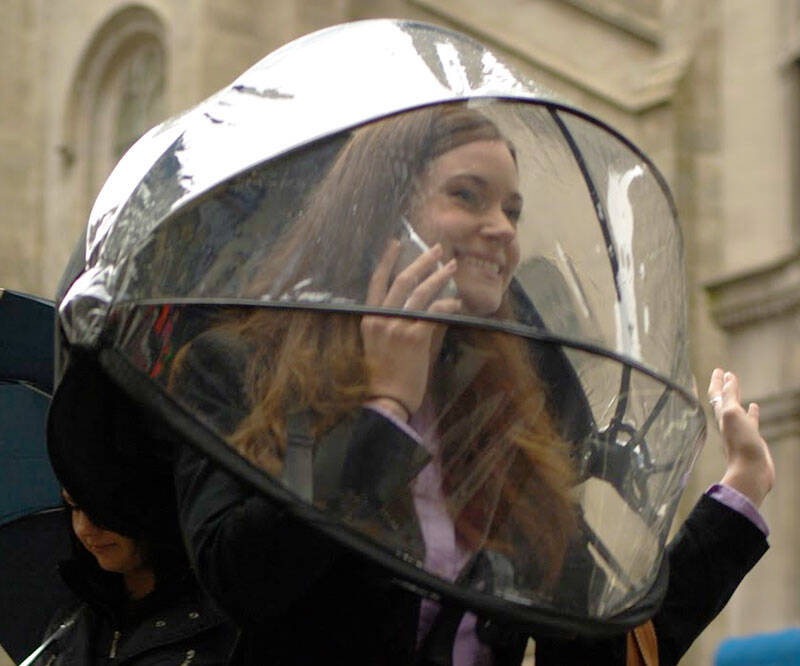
<point x="498" y="226"/>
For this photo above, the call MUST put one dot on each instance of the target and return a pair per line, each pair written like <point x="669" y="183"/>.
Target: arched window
<point x="117" y="95"/>
<point x="141" y="96"/>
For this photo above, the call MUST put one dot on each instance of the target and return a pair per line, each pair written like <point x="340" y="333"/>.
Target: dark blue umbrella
<point x="33" y="529"/>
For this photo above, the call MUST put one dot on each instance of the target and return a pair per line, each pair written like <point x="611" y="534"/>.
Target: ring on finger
<point x="716" y="400"/>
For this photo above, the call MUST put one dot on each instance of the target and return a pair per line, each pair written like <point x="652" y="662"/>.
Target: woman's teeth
<point x="484" y="264"/>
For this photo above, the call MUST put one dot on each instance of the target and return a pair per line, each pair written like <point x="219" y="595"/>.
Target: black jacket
<point x="302" y="598"/>
<point x="176" y="624"/>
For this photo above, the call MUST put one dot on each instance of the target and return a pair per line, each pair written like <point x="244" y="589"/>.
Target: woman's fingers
<point x="445" y="306"/>
<point x="750" y="468"/>
<point x="715" y="385"/>
<point x="731" y="392"/>
<point x="379" y="282"/>
<point x="715" y="394"/>
<point x="415" y="287"/>
<point x="727" y="402"/>
<point x="425" y="294"/>
<point x="410" y="278"/>
<point x="398" y="349"/>
<point x="754" y="412"/>
<point x="724" y="394"/>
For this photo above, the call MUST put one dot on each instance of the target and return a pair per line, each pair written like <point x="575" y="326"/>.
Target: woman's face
<point x="469" y="202"/>
<point x="113" y="552"/>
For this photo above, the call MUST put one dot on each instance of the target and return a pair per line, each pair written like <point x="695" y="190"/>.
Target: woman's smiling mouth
<point x="487" y="265"/>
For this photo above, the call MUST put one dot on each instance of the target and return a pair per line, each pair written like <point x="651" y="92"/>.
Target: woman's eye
<point x="466" y="196"/>
<point x="513" y="214"/>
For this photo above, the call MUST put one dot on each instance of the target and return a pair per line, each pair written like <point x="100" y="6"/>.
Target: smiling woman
<point x="469" y="202"/>
<point x="394" y="447"/>
<point x="430" y="438"/>
<point x="449" y="171"/>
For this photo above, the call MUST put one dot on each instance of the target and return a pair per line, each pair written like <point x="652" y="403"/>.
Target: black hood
<point x="107" y="453"/>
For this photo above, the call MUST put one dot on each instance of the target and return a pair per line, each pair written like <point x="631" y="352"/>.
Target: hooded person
<point x="135" y="598"/>
<point x="424" y="358"/>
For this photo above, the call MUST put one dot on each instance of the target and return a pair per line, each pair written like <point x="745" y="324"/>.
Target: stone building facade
<point x="710" y="89"/>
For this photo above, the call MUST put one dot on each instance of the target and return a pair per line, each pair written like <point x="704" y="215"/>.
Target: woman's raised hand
<point x="750" y="469"/>
<point x="399" y="350"/>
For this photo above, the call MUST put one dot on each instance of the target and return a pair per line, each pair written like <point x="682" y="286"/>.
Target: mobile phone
<point x="411" y="247"/>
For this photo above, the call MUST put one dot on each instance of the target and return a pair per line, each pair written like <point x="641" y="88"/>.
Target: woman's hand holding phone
<point x="411" y="248"/>
<point x="399" y="350"/>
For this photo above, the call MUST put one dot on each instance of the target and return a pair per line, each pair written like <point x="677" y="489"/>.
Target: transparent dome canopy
<point x="257" y="265"/>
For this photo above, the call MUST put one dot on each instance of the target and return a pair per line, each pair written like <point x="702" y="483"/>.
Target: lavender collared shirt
<point x="444" y="555"/>
<point x="735" y="500"/>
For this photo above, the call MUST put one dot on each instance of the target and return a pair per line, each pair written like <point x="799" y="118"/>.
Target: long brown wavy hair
<point x="506" y="472"/>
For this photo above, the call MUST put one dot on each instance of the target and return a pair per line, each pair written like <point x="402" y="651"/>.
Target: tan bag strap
<point x="642" y="646"/>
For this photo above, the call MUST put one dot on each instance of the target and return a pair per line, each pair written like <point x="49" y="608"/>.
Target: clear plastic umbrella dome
<point x="244" y="259"/>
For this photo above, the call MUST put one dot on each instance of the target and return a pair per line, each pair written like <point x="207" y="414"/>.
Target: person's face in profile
<point x="113" y="552"/>
<point x="469" y="202"/>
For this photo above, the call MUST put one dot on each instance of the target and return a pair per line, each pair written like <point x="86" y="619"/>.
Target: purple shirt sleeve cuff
<point x="735" y="500"/>
<point x="400" y="424"/>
